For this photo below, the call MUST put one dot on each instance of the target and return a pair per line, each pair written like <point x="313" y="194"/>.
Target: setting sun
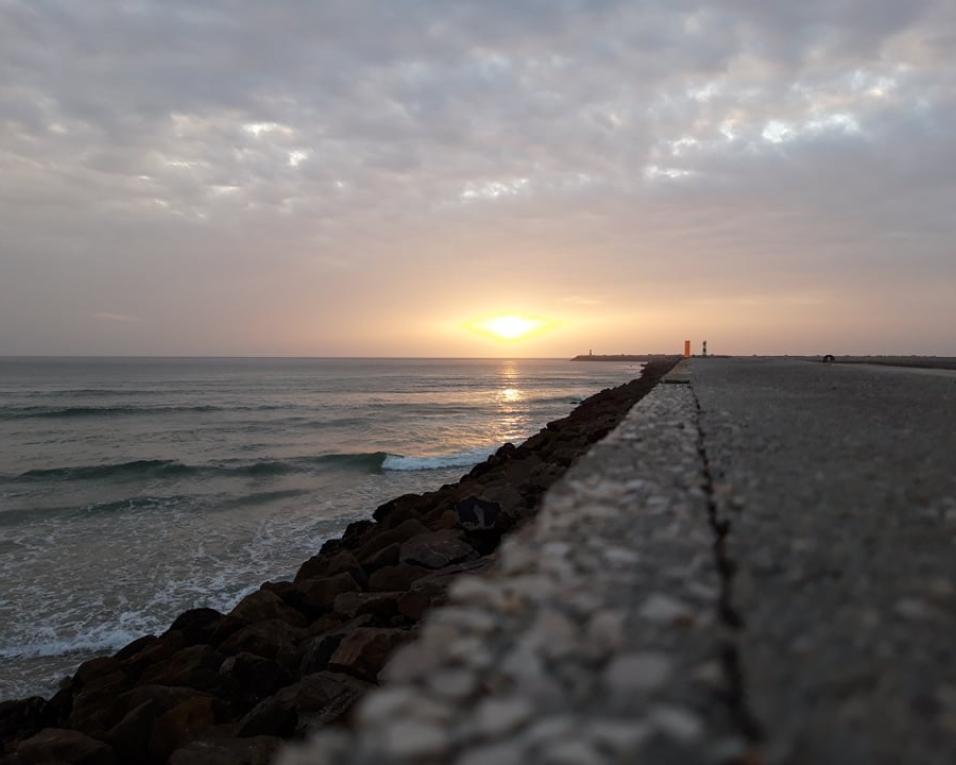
<point x="508" y="327"/>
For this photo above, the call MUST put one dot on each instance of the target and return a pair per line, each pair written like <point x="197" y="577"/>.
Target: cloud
<point x="211" y="161"/>
<point x="121" y="317"/>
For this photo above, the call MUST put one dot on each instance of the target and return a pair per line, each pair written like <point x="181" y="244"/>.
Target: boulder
<point x="197" y="624"/>
<point x="195" y="667"/>
<point x="363" y="652"/>
<point x="399" y="577"/>
<point x="271" y="639"/>
<point x="322" y="566"/>
<point x="181" y="724"/>
<point x="162" y="648"/>
<point x="94" y="668"/>
<point x="251" y="678"/>
<point x="64" y="747"/>
<point x="437" y="549"/>
<point x="164" y="698"/>
<point x="386" y="537"/>
<point x="379" y="604"/>
<point x="22" y="718"/>
<point x="133" y="648"/>
<point x="130" y="736"/>
<point x="93" y="706"/>
<point x="319" y="594"/>
<point x="263" y="604"/>
<point x="475" y="514"/>
<point x="315" y="700"/>
<point x="255" y="750"/>
<point x="314" y="654"/>
<point x="387" y="556"/>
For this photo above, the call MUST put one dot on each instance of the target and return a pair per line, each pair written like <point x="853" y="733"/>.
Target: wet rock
<point x="64" y="747"/>
<point x="317" y="699"/>
<point x="164" y="698"/>
<point x="319" y="595"/>
<point x="271" y="639"/>
<point x="322" y="566"/>
<point x="183" y="723"/>
<point x="363" y="652"/>
<point x="378" y="604"/>
<point x="133" y="648"/>
<point x="387" y="556"/>
<point x="252" y="678"/>
<point x="399" y="577"/>
<point x="436" y="549"/>
<point x="93" y="705"/>
<point x="475" y="514"/>
<point x="383" y="539"/>
<point x="264" y="604"/>
<point x="197" y="624"/>
<point x="130" y="736"/>
<point x="195" y="667"/>
<point x="162" y="648"/>
<point x="256" y="750"/>
<point x="22" y="718"/>
<point x="94" y="668"/>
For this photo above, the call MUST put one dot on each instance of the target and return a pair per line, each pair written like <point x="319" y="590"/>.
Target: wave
<point x="458" y="459"/>
<point x="32" y="412"/>
<point x="369" y="462"/>
<point x="139" y="469"/>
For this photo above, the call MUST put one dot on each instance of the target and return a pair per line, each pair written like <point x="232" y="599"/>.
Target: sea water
<point x="133" y="489"/>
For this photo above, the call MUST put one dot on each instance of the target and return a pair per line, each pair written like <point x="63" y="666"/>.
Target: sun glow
<point x="509" y="327"/>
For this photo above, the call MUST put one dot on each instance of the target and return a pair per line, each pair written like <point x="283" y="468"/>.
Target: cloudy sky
<point x="359" y="178"/>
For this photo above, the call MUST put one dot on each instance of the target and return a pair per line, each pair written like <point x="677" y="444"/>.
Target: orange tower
<point x="687" y="349"/>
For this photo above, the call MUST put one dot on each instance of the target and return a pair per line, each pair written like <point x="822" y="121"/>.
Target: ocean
<point x="132" y="489"/>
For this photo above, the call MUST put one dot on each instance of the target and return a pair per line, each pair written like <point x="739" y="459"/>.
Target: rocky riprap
<point x="294" y="656"/>
<point x="602" y="635"/>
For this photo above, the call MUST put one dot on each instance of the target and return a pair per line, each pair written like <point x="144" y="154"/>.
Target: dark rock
<point x="263" y="604"/>
<point x="477" y="514"/>
<point x="364" y="651"/>
<point x="194" y="667"/>
<point x="252" y="677"/>
<point x="131" y="649"/>
<point x="256" y="750"/>
<point x="271" y="639"/>
<point x="437" y="549"/>
<point x="225" y="628"/>
<point x="98" y="667"/>
<point x="317" y="699"/>
<point x="412" y="605"/>
<point x="162" y="648"/>
<point x="319" y="595"/>
<point x="181" y="724"/>
<point x="197" y="624"/>
<point x="64" y="747"/>
<point x="387" y="556"/>
<point x="355" y="532"/>
<point x="22" y="718"/>
<point x="380" y="604"/>
<point x="322" y="566"/>
<point x="163" y="697"/>
<point x="93" y="705"/>
<point x="383" y="539"/>
<point x="393" y="578"/>
<point x="130" y="736"/>
<point x="435" y="584"/>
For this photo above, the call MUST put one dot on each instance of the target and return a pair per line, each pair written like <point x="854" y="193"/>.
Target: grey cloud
<point x="773" y="146"/>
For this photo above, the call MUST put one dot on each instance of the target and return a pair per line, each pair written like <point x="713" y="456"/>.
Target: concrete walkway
<point x="757" y="565"/>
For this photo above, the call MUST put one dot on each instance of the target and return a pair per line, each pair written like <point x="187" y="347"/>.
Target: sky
<point x="375" y="178"/>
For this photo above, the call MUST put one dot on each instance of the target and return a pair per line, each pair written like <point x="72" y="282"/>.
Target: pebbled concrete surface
<point x="839" y="486"/>
<point x="757" y="566"/>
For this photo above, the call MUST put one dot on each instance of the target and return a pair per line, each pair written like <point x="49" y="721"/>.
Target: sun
<point x="508" y="327"/>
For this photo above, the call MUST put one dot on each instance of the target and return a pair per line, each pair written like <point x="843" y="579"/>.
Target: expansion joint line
<point x="737" y="699"/>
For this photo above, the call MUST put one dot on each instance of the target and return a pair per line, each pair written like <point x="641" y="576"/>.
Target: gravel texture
<point x="838" y="483"/>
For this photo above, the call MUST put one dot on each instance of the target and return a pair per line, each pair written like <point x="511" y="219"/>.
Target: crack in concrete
<point x="735" y="678"/>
